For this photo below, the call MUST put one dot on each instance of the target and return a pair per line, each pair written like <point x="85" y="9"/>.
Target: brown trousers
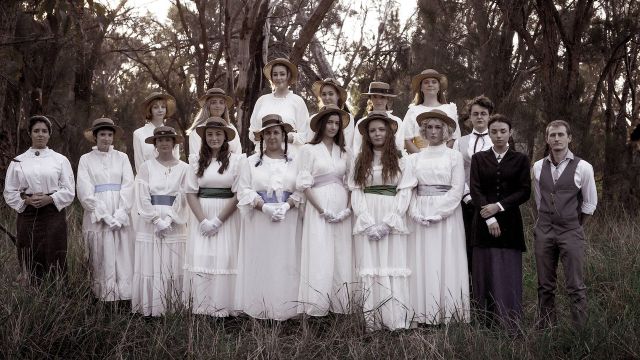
<point x="568" y="247"/>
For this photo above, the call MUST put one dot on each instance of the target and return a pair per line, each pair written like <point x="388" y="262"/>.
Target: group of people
<point x="404" y="220"/>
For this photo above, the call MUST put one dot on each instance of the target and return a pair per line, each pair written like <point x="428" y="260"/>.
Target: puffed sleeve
<point x="236" y="169"/>
<point x="451" y="199"/>
<point x="127" y="189"/>
<point x="191" y="183"/>
<point x="143" y="199"/>
<point x="396" y="216"/>
<point x="409" y="125"/>
<point x="12" y="187"/>
<point x="86" y="193"/>
<point x="138" y="152"/>
<point x="363" y="217"/>
<point x="255" y="122"/>
<point x="66" y="186"/>
<point x="453" y="113"/>
<point x="304" y="180"/>
<point x="301" y="122"/>
<point x="234" y="145"/>
<point x="194" y="147"/>
<point x="247" y="196"/>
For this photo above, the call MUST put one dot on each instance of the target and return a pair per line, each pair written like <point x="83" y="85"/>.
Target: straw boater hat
<point x="293" y="70"/>
<point x="437" y="114"/>
<point x="272" y="120"/>
<point x="318" y="85"/>
<point x="164" y="131"/>
<point x="213" y="93"/>
<point x="329" y="109"/>
<point x="429" y="73"/>
<point x="171" y="103"/>
<point x="215" y="122"/>
<point x="102" y="123"/>
<point x="376" y="115"/>
<point x="380" y="88"/>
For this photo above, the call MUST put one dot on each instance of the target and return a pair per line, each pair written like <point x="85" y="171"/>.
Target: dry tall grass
<point x="63" y="321"/>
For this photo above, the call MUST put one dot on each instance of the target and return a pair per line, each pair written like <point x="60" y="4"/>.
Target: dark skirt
<point x="497" y="285"/>
<point x="42" y="240"/>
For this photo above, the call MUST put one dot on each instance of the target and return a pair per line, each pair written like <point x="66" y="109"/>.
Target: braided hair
<point x="286" y="146"/>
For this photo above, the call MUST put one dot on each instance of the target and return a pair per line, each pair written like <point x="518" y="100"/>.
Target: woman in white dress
<point x="214" y="224"/>
<point x="155" y="109"/>
<point x="282" y="101"/>
<point x="328" y="92"/>
<point x="105" y="189"/>
<point x="327" y="252"/>
<point x="429" y="87"/>
<point x="214" y="103"/>
<point x="379" y="198"/>
<point x="380" y="95"/>
<point x="269" y="254"/>
<point x="437" y="245"/>
<point x="161" y="229"/>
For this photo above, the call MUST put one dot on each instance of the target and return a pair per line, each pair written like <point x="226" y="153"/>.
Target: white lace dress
<point x="327" y="268"/>
<point x="104" y="187"/>
<point x="269" y="252"/>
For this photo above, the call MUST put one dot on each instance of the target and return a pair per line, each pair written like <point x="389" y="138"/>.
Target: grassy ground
<point x="63" y="321"/>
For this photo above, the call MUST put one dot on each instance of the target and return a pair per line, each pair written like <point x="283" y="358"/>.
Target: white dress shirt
<point x="39" y="171"/>
<point x="583" y="178"/>
<point x="484" y="143"/>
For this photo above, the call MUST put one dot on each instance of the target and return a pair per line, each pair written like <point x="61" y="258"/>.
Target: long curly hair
<point x="206" y="156"/>
<point x="338" y="139"/>
<point x="364" y="161"/>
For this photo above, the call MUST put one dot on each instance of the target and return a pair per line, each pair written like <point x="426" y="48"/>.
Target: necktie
<point x="478" y="137"/>
<point x="499" y="158"/>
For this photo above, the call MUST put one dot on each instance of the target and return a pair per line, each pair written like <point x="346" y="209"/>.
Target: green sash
<point x="217" y="193"/>
<point x="387" y="190"/>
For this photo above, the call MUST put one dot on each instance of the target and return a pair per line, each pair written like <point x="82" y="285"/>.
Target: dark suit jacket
<point x="507" y="182"/>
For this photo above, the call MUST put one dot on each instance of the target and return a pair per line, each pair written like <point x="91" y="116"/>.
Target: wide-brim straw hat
<point x="215" y="122"/>
<point x="102" y="123"/>
<point x="272" y="120"/>
<point x="318" y="85"/>
<point x="429" y="73"/>
<point x="215" y="92"/>
<point x="376" y="115"/>
<point x="380" y="88"/>
<point x="170" y="100"/>
<point x="329" y="109"/>
<point x="164" y="131"/>
<point x="437" y="114"/>
<point x="293" y="70"/>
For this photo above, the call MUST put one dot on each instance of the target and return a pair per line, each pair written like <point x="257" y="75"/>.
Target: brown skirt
<point x="42" y="240"/>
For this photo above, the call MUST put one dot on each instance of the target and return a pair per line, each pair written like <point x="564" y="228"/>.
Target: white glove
<point x="372" y="233"/>
<point x="280" y="212"/>
<point x="121" y="216"/>
<point x="383" y="230"/>
<point x="343" y="214"/>
<point x="207" y="228"/>
<point x="270" y="210"/>
<point x="112" y="223"/>
<point x="162" y="226"/>
<point x="433" y="219"/>
<point x="329" y="215"/>
<point x="420" y="219"/>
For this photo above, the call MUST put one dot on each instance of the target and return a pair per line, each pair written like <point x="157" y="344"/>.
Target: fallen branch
<point x="9" y="234"/>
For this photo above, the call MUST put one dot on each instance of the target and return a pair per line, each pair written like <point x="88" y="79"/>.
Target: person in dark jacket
<point x="500" y="182"/>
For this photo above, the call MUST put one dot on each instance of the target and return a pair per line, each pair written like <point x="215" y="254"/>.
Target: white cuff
<point x="466" y="199"/>
<point x="500" y="206"/>
<point x="491" y="220"/>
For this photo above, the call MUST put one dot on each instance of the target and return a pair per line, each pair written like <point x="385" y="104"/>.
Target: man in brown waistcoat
<point x="565" y="193"/>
